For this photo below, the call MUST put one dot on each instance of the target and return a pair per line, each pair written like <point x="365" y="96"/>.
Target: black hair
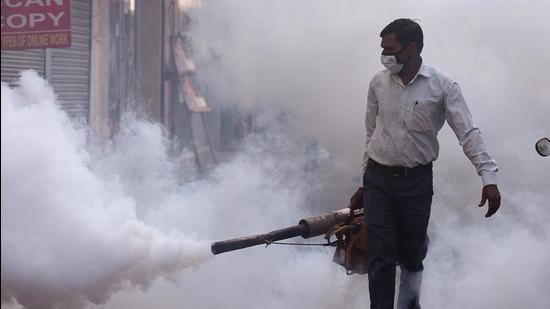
<point x="406" y="31"/>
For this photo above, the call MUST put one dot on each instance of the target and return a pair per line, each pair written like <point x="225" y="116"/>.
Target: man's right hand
<point x="356" y="201"/>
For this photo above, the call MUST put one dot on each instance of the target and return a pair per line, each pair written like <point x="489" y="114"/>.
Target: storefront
<point x="66" y="68"/>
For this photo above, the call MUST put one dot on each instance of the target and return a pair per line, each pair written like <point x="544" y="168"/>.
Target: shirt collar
<point x="424" y="71"/>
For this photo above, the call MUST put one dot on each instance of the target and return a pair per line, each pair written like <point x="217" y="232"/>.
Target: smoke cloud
<point x="85" y="223"/>
<point x="70" y="235"/>
<point x="314" y="60"/>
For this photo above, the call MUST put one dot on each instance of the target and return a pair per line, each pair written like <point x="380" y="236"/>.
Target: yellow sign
<point x="36" y="40"/>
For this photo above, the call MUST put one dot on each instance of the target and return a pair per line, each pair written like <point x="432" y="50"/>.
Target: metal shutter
<point x="14" y="61"/>
<point x="69" y="68"/>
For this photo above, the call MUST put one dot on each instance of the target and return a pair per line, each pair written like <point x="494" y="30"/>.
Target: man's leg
<point x="409" y="289"/>
<point x="380" y="217"/>
<point x="413" y="214"/>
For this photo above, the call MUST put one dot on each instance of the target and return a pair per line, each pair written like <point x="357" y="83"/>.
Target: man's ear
<point x="413" y="48"/>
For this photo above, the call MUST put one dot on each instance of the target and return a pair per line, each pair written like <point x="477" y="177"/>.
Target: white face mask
<point x="390" y="62"/>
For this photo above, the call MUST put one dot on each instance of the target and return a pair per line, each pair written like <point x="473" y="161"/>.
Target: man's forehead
<point x="389" y="40"/>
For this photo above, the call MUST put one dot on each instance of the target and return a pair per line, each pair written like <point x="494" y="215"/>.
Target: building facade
<point x="125" y="55"/>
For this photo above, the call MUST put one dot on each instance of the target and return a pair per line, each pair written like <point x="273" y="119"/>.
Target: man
<point x="407" y="105"/>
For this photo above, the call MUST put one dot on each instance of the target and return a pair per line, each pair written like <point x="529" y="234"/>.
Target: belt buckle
<point x="405" y="172"/>
<point x="390" y="168"/>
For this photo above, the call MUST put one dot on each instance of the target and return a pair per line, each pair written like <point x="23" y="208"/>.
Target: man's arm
<point x="356" y="200"/>
<point x="370" y="119"/>
<point x="460" y="119"/>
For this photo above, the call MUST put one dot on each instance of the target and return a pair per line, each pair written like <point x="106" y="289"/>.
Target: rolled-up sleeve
<point x="460" y="119"/>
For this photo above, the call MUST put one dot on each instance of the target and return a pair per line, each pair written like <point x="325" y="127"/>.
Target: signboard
<point x="30" y="24"/>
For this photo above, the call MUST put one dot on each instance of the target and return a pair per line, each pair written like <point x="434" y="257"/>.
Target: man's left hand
<point x="356" y="201"/>
<point x="490" y="192"/>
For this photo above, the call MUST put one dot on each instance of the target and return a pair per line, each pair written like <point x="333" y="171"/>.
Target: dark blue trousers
<point x="397" y="212"/>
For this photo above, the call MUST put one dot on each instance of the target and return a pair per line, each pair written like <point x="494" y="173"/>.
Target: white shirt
<point x="403" y="121"/>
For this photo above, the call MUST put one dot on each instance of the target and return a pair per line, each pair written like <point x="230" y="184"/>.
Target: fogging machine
<point x="346" y="226"/>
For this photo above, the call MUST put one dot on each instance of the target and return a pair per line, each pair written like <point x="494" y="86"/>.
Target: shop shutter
<point x="14" y="61"/>
<point x="69" y="68"/>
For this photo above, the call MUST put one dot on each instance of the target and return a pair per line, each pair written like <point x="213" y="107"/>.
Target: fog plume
<point x="100" y="215"/>
<point x="314" y="60"/>
<point x="70" y="235"/>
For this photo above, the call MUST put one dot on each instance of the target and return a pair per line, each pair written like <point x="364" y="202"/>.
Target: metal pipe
<point x="249" y="241"/>
<point x="307" y="228"/>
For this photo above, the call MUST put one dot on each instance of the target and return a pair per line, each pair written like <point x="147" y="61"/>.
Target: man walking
<point x="407" y="105"/>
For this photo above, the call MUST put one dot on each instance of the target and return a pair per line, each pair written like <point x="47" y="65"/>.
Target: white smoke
<point x="313" y="60"/>
<point x="79" y="225"/>
<point x="68" y="235"/>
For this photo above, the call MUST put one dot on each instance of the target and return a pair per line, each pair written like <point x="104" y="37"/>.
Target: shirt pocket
<point x="420" y="117"/>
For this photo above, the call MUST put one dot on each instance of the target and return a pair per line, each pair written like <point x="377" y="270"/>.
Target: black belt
<point x="400" y="170"/>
